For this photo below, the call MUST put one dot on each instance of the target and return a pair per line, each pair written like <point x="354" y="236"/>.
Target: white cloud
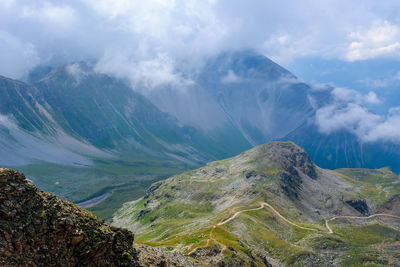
<point x="387" y="129"/>
<point x="7" y="3"/>
<point x="6" y="122"/>
<point x="231" y="77"/>
<point x="62" y="15"/>
<point x="367" y="126"/>
<point x="350" y="117"/>
<point x="344" y="95"/>
<point x="115" y="8"/>
<point x="16" y="57"/>
<point x="76" y="71"/>
<point x="346" y="112"/>
<point x="285" y="47"/>
<point x="188" y="30"/>
<point x="382" y="39"/>
<point x="146" y="73"/>
<point x="372" y="98"/>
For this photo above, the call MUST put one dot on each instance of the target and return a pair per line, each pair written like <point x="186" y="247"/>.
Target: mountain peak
<point x="247" y="65"/>
<point x="289" y="156"/>
<point x="265" y="206"/>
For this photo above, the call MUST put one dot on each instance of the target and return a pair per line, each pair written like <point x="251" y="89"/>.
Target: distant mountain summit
<point x="249" y="98"/>
<point x="239" y="92"/>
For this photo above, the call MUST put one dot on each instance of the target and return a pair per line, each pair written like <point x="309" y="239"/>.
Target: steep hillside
<point x="85" y="135"/>
<point x="28" y="132"/>
<point x="239" y="93"/>
<point x="56" y="133"/>
<point x="272" y="206"/>
<point x="39" y="229"/>
<point x="262" y="99"/>
<point x="243" y="99"/>
<point x="109" y="115"/>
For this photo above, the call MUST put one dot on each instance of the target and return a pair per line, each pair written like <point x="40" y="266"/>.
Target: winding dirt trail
<point x="330" y="231"/>
<point x="264" y="204"/>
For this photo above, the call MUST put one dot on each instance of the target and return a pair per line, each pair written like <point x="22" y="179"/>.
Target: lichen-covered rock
<point x="155" y="257"/>
<point x="39" y="229"/>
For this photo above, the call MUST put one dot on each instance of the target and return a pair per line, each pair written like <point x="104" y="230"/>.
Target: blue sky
<point x="381" y="76"/>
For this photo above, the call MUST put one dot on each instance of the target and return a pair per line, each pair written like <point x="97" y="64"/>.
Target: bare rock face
<point x="155" y="257"/>
<point x="359" y="205"/>
<point x="295" y="163"/>
<point x="392" y="206"/>
<point x="292" y="158"/>
<point x="39" y="229"/>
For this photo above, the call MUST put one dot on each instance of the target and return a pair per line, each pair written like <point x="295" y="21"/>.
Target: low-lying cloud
<point x="347" y="112"/>
<point x="145" y="74"/>
<point x="16" y="57"/>
<point x="231" y="77"/>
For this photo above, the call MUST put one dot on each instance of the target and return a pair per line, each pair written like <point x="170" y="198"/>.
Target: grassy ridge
<point x="185" y="212"/>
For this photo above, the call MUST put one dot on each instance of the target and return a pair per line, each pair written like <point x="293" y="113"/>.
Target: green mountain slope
<point x="82" y="135"/>
<point x="272" y="205"/>
<point x="109" y="115"/>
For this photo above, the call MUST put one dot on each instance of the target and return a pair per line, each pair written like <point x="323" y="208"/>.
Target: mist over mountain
<point x="217" y="132"/>
<point x="242" y="88"/>
<point x="234" y="101"/>
<point x="80" y="121"/>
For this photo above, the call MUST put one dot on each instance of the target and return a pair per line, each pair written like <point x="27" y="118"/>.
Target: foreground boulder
<point x="37" y="228"/>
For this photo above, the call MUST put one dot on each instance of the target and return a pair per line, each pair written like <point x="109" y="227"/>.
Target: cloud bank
<point x="348" y="112"/>
<point x="157" y="42"/>
<point x="127" y="32"/>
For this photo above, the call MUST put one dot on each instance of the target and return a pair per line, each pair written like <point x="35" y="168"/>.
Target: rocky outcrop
<point x="292" y="158"/>
<point x="294" y="161"/>
<point x="290" y="185"/>
<point x="39" y="229"/>
<point x="392" y="206"/>
<point x="359" y="205"/>
<point x="154" y="257"/>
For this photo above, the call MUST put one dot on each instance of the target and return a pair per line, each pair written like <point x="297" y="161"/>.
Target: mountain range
<point x="85" y="135"/>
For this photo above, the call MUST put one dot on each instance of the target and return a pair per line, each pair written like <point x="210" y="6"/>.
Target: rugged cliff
<point x="39" y="229"/>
